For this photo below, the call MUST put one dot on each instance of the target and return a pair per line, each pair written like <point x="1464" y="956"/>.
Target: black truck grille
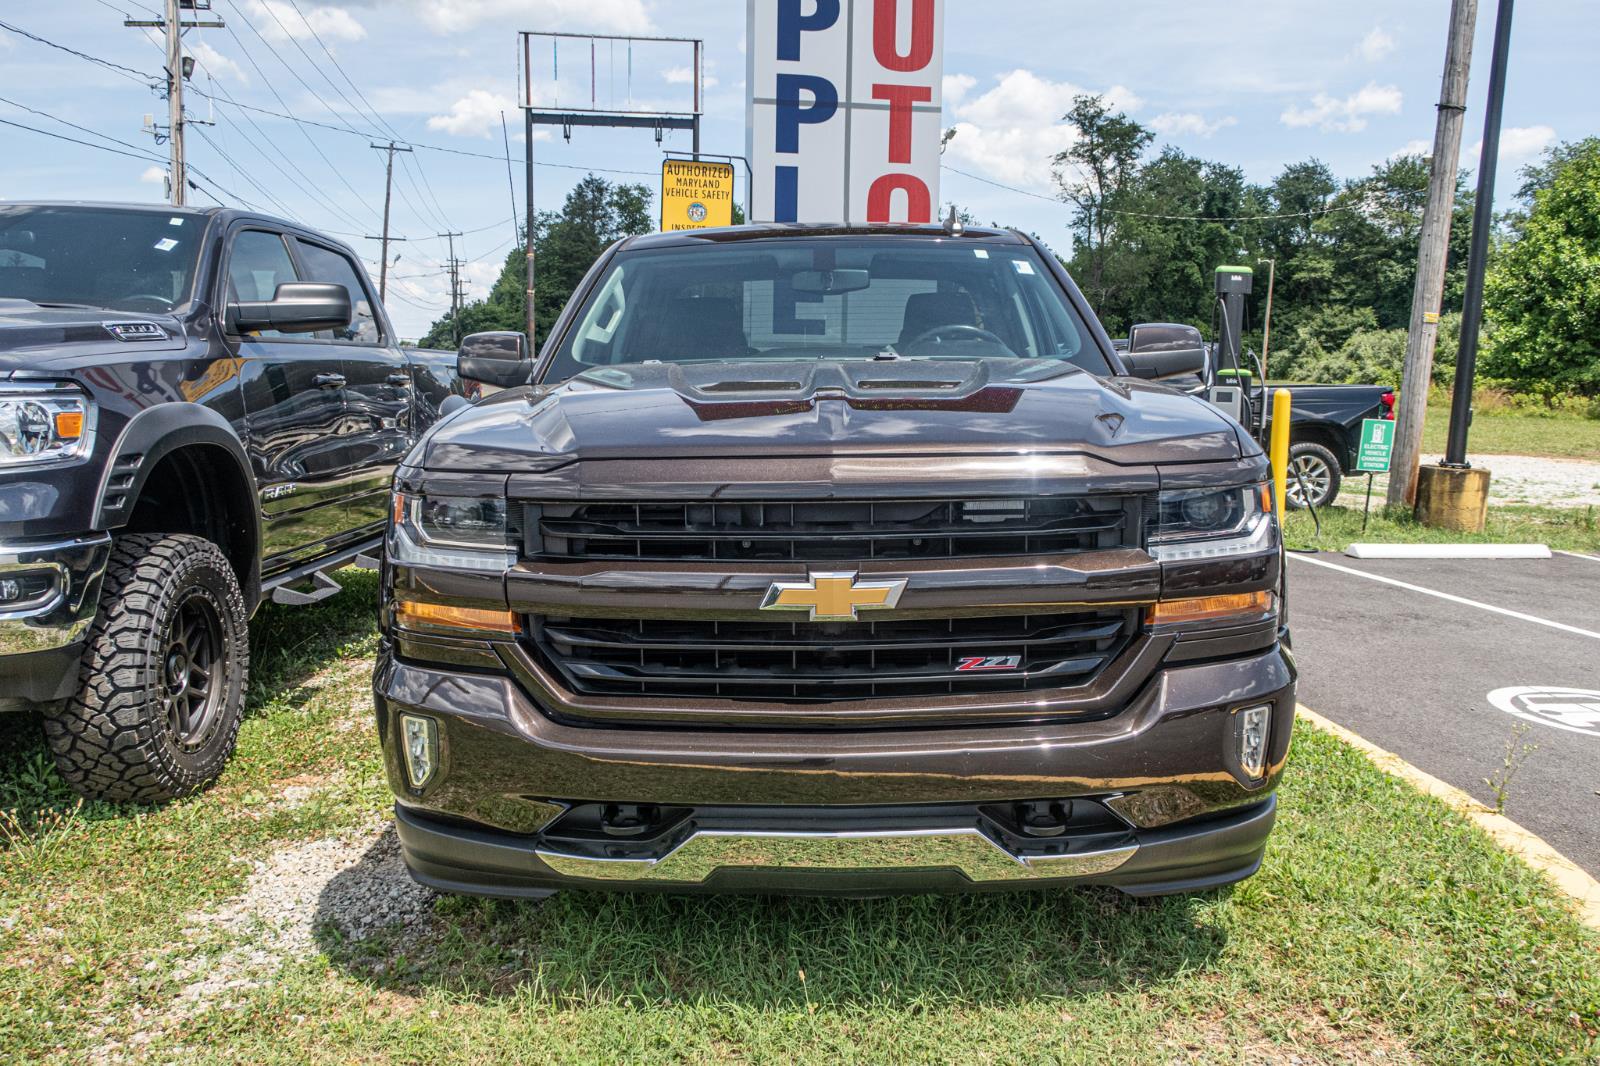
<point x="823" y="531"/>
<point x="806" y="662"/>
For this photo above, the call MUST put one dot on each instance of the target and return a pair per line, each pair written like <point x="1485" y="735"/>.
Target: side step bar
<point x="320" y="573"/>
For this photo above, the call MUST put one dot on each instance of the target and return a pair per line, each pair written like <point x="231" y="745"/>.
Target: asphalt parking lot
<point x="1438" y="661"/>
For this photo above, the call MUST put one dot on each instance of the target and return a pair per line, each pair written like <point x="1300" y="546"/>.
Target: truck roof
<point x="225" y="213"/>
<point x="772" y="230"/>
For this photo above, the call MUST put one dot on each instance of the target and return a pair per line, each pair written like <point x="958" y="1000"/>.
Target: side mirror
<point x="497" y="358"/>
<point x="1157" y="365"/>
<point x="296" y="307"/>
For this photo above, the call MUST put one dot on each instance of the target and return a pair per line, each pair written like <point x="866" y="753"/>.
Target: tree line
<point x="1150" y="224"/>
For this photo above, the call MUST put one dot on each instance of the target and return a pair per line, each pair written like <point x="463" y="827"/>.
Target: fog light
<point x="421" y="736"/>
<point x="1252" y="727"/>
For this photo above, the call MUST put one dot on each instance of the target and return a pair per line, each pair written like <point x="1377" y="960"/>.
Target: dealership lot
<point x="1413" y="672"/>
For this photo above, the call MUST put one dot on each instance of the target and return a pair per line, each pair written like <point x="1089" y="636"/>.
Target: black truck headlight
<point x="453" y="532"/>
<point x="1190" y="525"/>
<point x="44" y="423"/>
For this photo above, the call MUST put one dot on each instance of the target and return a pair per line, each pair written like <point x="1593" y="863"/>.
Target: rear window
<point x="831" y="298"/>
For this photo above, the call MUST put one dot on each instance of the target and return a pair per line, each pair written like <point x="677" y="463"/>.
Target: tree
<point x="1542" y="295"/>
<point x="1094" y="176"/>
<point x="566" y="244"/>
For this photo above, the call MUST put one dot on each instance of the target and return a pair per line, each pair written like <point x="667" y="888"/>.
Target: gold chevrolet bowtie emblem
<point x="833" y="597"/>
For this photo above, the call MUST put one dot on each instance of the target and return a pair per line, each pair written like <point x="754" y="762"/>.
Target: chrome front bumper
<point x="58" y="617"/>
<point x="962" y="849"/>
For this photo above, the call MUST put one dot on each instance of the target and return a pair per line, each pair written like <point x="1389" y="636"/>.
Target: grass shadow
<point x="593" y="948"/>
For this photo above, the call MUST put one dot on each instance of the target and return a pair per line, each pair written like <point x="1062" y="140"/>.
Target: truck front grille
<point x="805" y="662"/>
<point x="830" y="530"/>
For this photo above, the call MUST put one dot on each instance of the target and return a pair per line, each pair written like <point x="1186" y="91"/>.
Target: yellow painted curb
<point x="1531" y="849"/>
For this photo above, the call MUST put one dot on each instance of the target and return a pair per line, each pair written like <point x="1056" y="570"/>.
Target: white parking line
<point x="1579" y="555"/>
<point x="1447" y="596"/>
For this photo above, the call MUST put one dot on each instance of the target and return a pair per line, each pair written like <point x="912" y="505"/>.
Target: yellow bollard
<point x="1279" y="449"/>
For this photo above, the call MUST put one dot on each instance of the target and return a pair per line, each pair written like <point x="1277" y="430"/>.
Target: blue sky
<point x="1257" y="86"/>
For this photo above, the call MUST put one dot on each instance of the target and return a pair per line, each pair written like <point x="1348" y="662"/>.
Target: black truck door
<point x="293" y="389"/>
<point x="377" y="430"/>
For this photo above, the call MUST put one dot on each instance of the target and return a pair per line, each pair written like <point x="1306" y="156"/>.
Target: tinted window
<point x="100" y="257"/>
<point x="258" y="265"/>
<point x="833" y="298"/>
<point x="324" y="264"/>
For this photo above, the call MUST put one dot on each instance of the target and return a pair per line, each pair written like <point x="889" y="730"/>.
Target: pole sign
<point x="1377" y="445"/>
<point x="844" y="109"/>
<point x="696" y="195"/>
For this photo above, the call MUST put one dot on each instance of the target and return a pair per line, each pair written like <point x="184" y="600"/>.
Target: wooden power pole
<point x="172" y="24"/>
<point x="1428" y="295"/>
<point x="388" y="191"/>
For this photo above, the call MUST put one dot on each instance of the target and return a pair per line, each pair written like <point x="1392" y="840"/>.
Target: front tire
<point x="1318" y="468"/>
<point x="161" y="689"/>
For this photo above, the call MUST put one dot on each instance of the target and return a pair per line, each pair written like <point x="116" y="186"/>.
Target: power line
<point x="84" y="129"/>
<point x="87" y="144"/>
<point x="127" y="72"/>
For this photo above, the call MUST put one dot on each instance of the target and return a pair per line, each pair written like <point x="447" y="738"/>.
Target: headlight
<point x="456" y="532"/>
<point x="1193" y="524"/>
<point x="43" y="424"/>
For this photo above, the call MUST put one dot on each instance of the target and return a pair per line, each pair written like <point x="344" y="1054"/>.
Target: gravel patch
<point x="1524" y="479"/>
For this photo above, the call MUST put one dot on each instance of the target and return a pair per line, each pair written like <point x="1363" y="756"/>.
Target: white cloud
<point x="1376" y="45"/>
<point x="477" y="114"/>
<point x="1014" y="131"/>
<point x="1350" y="114"/>
<point x="685" y="76"/>
<point x="956" y="87"/>
<point x="278" y="21"/>
<point x="154" y="176"/>
<point x="1416" y="147"/>
<point x="216" y="64"/>
<point x="1188" y="124"/>
<point x="1519" y="144"/>
<point x="616" y="16"/>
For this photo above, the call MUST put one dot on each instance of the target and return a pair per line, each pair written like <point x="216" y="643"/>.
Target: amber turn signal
<point x="1210" y="608"/>
<point x="69" y="425"/>
<point x="411" y="612"/>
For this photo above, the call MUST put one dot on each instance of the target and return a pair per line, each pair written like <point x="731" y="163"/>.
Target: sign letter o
<point x="919" y="204"/>
<point x="887" y="49"/>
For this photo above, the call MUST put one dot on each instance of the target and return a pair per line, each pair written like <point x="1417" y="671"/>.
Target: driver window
<point x="259" y="264"/>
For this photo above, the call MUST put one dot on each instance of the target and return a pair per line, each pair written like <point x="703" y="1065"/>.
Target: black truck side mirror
<point x="499" y="358"/>
<point x="296" y="307"/>
<point x="1156" y="365"/>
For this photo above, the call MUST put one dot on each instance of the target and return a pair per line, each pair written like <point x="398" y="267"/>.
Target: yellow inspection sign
<point x="695" y="195"/>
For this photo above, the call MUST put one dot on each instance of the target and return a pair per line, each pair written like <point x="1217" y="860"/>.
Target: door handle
<point x="328" y="381"/>
<point x="399" y="378"/>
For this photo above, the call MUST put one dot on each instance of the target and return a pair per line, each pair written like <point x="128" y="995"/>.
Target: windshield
<point x="98" y="257"/>
<point x="827" y="298"/>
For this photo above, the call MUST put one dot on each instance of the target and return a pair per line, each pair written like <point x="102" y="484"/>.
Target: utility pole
<point x="388" y="191"/>
<point x="1423" y="336"/>
<point x="454" y="266"/>
<point x="1478" y="261"/>
<point x="178" y="70"/>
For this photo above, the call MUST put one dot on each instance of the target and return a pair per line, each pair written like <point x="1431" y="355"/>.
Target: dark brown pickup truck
<point x="827" y="559"/>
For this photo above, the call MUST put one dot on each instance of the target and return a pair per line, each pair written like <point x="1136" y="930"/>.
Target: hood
<point x="35" y="337"/>
<point x="905" y="407"/>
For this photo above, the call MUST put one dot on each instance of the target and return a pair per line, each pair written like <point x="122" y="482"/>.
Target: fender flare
<point x="151" y="436"/>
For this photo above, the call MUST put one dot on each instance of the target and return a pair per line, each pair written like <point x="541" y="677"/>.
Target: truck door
<point x="293" y="391"/>
<point x="377" y="430"/>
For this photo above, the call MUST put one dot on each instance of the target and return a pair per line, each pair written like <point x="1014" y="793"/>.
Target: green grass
<point x="1382" y="925"/>
<point x="1518" y="433"/>
<point x="1567" y="529"/>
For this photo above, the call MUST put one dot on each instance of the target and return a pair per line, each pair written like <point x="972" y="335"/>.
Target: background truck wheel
<point x="161" y="692"/>
<point x="1319" y="469"/>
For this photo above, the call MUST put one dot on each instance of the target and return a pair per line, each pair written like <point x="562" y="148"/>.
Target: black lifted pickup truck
<point x="831" y="559"/>
<point x="199" y="409"/>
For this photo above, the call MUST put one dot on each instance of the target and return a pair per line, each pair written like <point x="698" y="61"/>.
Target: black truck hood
<point x="905" y="406"/>
<point x="56" y="338"/>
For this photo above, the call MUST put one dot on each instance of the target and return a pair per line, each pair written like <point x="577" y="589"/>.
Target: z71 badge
<point x="976" y="663"/>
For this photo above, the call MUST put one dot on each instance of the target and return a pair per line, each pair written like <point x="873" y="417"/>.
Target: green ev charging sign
<point x="1377" y="445"/>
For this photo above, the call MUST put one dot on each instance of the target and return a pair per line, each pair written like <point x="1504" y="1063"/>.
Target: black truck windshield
<point x="827" y="298"/>
<point x="113" y="258"/>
